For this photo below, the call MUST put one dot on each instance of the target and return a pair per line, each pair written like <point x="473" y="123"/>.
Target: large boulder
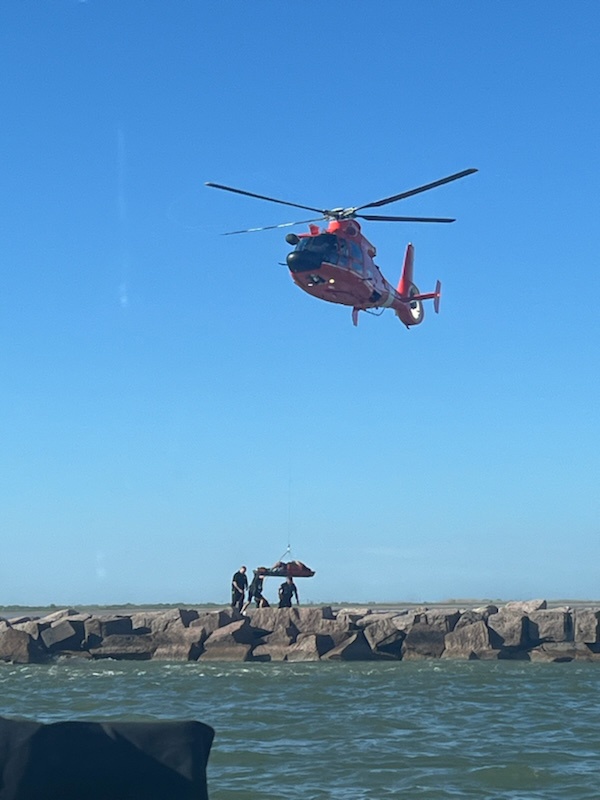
<point x="188" y="615"/>
<point x="354" y="648"/>
<point x="354" y="616"/>
<point x="223" y="651"/>
<point x="92" y="630"/>
<point x="179" y="645"/>
<point x="61" y="613"/>
<point x="98" y="628"/>
<point x="509" y="628"/>
<point x="526" y="606"/>
<point x="33" y="627"/>
<point x="64" y="634"/>
<point x="240" y="632"/>
<point x="110" y="761"/>
<point x="336" y="630"/>
<point x="468" y="642"/>
<point x="213" y="620"/>
<point x="486" y="610"/>
<point x="469" y="617"/>
<point x="562" y="651"/>
<point x="272" y="620"/>
<point x="117" y="624"/>
<point x="20" y="647"/>
<point x="142" y="621"/>
<point x="550" y="626"/>
<point x="440" y="620"/>
<point x="587" y="625"/>
<point x="376" y="616"/>
<point x="384" y="638"/>
<point x="14" y="621"/>
<point x="423" y="641"/>
<point x="307" y="619"/>
<point x="159" y="621"/>
<point x="309" y="647"/>
<point x="57" y="616"/>
<point x="125" y="647"/>
<point x="273" y="647"/>
<point x="405" y="620"/>
<point x="232" y="642"/>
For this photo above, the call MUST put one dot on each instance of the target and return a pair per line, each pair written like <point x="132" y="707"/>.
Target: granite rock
<point x="384" y="638"/>
<point x="63" y="634"/>
<point x="587" y="625"/>
<point x="354" y="648"/>
<point x="125" y="647"/>
<point x="550" y="626"/>
<point x="509" y="628"/>
<point x="423" y="641"/>
<point x="526" y="606"/>
<point x="19" y="647"/>
<point x="468" y="642"/>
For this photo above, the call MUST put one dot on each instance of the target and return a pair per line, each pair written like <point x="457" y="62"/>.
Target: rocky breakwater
<point x="517" y="630"/>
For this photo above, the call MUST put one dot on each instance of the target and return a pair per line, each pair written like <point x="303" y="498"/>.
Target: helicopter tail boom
<point x="409" y="308"/>
<point x="406" y="277"/>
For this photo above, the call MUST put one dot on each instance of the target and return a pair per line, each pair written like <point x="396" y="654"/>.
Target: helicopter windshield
<point x="324" y="245"/>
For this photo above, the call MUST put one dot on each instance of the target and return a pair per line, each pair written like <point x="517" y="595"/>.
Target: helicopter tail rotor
<point x="436" y="297"/>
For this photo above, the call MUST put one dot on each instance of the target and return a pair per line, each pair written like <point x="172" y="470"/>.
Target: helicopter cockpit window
<point x="343" y="252"/>
<point x="357" y="256"/>
<point x="324" y="245"/>
<point x="356" y="252"/>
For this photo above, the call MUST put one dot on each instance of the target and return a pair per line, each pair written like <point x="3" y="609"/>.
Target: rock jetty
<point x="517" y="630"/>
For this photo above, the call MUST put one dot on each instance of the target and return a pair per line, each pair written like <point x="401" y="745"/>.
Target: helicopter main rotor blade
<point x="272" y="227"/>
<point x="264" y="197"/>
<point x="418" y="190"/>
<point x="377" y="218"/>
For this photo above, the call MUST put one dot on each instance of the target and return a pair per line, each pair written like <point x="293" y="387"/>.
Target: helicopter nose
<point x="303" y="261"/>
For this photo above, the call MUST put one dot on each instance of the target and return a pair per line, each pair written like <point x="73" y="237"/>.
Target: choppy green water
<point x="431" y="729"/>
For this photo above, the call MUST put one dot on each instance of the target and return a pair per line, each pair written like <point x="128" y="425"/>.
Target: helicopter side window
<point x="343" y="252"/>
<point x="357" y="257"/>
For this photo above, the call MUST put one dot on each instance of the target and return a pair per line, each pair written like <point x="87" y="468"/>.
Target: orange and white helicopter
<point x="336" y="263"/>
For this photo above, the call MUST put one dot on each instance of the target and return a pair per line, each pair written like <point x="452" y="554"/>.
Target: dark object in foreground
<point x="104" y="761"/>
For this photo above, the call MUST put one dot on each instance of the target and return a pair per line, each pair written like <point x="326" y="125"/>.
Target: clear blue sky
<point x="172" y="406"/>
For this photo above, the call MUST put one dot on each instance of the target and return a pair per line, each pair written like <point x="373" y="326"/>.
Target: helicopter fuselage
<point x="336" y="265"/>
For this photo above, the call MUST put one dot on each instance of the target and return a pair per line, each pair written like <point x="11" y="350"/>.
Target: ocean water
<point x="429" y="729"/>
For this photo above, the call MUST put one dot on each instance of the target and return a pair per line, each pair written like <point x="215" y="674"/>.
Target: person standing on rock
<point x="287" y="590"/>
<point x="239" y="584"/>
<point x="255" y="590"/>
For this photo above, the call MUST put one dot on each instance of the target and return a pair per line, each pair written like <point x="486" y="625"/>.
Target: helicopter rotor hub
<point x="340" y="213"/>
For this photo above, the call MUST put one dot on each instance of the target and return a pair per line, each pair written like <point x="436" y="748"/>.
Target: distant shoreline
<point x="379" y="607"/>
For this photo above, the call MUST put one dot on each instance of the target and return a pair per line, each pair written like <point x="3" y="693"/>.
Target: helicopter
<point x="336" y="263"/>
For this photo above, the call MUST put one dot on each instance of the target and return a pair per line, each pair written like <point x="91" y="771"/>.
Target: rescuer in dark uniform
<point x="239" y="584"/>
<point x="255" y="591"/>
<point x="287" y="590"/>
